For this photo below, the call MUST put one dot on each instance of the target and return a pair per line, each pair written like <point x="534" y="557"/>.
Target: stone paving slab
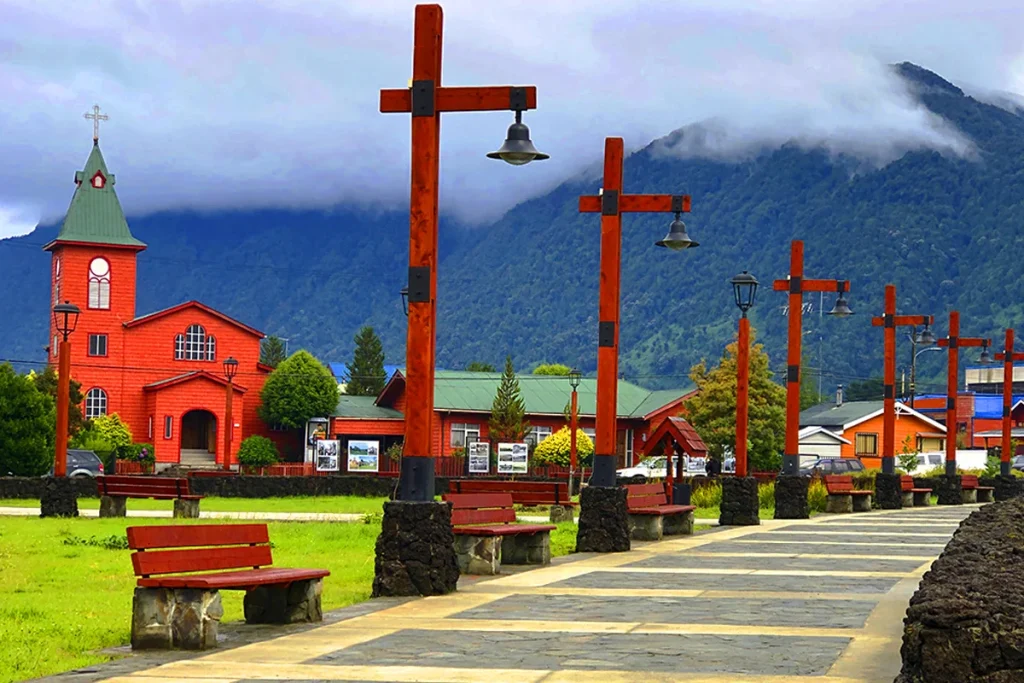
<point x="819" y="548"/>
<point x="776" y="655"/>
<point x="792" y="562"/>
<point x="797" y="534"/>
<point x="668" y="610"/>
<point x="943" y="530"/>
<point x="736" y="582"/>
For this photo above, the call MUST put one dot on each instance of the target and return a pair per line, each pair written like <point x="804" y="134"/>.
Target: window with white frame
<point x="194" y="345"/>
<point x="150" y="426"/>
<point x="211" y="348"/>
<point x="629" y="445"/>
<point x="168" y="425"/>
<point x="179" y="347"/>
<point x="99" y="283"/>
<point x="97" y="344"/>
<point x="53" y="349"/>
<point x="95" y="403"/>
<point x="462" y="430"/>
<point x="56" y="281"/>
<point x="537" y="434"/>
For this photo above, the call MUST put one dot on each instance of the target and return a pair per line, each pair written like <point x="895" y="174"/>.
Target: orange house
<point x="859" y="424"/>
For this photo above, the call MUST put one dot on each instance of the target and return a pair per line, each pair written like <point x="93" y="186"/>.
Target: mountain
<point x="946" y="230"/>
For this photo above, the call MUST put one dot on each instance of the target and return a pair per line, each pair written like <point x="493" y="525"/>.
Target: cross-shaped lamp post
<point x="1008" y="357"/>
<point x="230" y="370"/>
<point x="58" y="498"/>
<point x="574" y="381"/>
<point x="426" y="99"/>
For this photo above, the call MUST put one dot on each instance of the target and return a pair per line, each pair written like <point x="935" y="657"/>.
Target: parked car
<point x="647" y="469"/>
<point x="823" y="466"/>
<point x="83" y="463"/>
<point x="966" y="459"/>
<point x="1017" y="463"/>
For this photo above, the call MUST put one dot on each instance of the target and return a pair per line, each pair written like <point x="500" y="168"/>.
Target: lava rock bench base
<point x="655" y="527"/>
<point x="294" y="603"/>
<point x="484" y="555"/>
<point x="169" y="618"/>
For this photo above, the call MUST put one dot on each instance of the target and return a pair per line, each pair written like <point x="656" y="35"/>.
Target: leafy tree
<point x="866" y="390"/>
<point x="712" y="411"/>
<point x="508" y="410"/>
<point x="477" y="366"/>
<point x="27" y="423"/>
<point x="552" y="369"/>
<point x="556" y="448"/>
<point x="809" y="395"/>
<point x="272" y="351"/>
<point x="298" y="389"/>
<point x="366" y="376"/>
<point x="46" y="382"/>
<point x="907" y="457"/>
<point x="258" y="451"/>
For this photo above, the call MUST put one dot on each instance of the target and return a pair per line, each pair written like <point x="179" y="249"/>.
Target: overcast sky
<point x="221" y="104"/>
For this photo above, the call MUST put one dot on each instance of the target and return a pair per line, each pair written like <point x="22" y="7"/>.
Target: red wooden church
<point x="161" y="372"/>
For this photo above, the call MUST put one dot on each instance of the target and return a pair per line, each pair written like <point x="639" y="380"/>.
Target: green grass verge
<point x="66" y="585"/>
<point x="353" y="504"/>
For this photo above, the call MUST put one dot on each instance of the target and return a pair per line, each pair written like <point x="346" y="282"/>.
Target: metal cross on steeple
<point x="96" y="117"/>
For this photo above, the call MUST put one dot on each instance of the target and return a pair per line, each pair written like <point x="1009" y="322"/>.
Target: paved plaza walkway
<point x="820" y="600"/>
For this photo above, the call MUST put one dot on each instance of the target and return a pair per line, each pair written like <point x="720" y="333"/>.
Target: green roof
<point x="365" y="408"/>
<point x="542" y="394"/>
<point x="95" y="214"/>
<point x="830" y="415"/>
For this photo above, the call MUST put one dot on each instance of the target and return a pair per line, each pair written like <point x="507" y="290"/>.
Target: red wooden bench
<point x="486" y="534"/>
<point x="913" y="496"/>
<point x="176" y="607"/>
<point x="842" y="497"/>
<point x="973" y="492"/>
<point x="652" y="514"/>
<point x="527" y="493"/>
<point x="115" y="490"/>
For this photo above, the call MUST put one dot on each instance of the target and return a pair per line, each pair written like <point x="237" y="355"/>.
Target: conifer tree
<point x="272" y="351"/>
<point x="507" y="424"/>
<point x="366" y="376"/>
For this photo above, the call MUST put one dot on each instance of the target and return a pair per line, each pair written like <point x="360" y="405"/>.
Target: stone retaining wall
<point x="32" y="487"/>
<point x="966" y="620"/>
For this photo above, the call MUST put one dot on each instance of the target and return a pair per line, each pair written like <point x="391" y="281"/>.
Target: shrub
<point x="258" y="451"/>
<point x="141" y="453"/>
<point x="817" y="496"/>
<point x="554" y="450"/>
<point x="114" y="432"/>
<point x="394" y="451"/>
<point x="766" y="495"/>
<point x="707" y="496"/>
<point x="865" y="481"/>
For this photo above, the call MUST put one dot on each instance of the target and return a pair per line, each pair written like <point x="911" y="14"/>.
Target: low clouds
<point x="274" y="103"/>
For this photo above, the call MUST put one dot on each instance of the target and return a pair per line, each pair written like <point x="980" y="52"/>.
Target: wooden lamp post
<point x="426" y="99"/>
<point x="745" y="289"/>
<point x="890" y="321"/>
<point x="574" y="381"/>
<point x="1008" y="357"/>
<point x="954" y="342"/>
<point x="796" y="285"/>
<point x="611" y="204"/>
<point x="230" y="370"/>
<point x="65" y="319"/>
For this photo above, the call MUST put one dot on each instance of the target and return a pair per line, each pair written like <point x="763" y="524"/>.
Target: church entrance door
<point x="198" y="438"/>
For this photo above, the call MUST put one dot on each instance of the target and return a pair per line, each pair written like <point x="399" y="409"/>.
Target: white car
<point x="654" y="468"/>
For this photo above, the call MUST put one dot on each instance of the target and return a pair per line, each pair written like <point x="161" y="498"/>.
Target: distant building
<point x="988" y="379"/>
<point x="979" y="415"/>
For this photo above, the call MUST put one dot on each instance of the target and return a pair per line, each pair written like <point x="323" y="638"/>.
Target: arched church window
<point x="99" y="283"/>
<point x="179" y="347"/>
<point x="211" y="348"/>
<point x="195" y="343"/>
<point x="95" y="403"/>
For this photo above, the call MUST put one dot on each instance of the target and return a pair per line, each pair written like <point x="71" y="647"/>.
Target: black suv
<point x="823" y="466"/>
<point x="83" y="464"/>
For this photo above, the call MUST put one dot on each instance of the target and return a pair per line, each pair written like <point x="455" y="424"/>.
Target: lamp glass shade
<point x="926" y="337"/>
<point x="230" y="367"/>
<point x="744" y="287"/>
<point x="65" y="318"/>
<point x="517" y="148"/>
<point x="842" y="308"/>
<point x="677" y="239"/>
<point x="574" y="378"/>
<point x="985" y="357"/>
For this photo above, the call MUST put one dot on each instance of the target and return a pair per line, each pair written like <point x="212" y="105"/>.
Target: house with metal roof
<point x="462" y="407"/>
<point x="980" y="415"/>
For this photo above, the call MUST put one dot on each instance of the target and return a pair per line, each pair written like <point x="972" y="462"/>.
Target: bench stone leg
<point x="527" y="549"/>
<point x="186" y="509"/>
<point x="908" y="499"/>
<point x="480" y="555"/>
<point x="113" y="506"/>
<point x="561" y="513"/>
<point x="167" y="618"/>
<point x="968" y="496"/>
<point x="294" y="603"/>
<point x="861" y="503"/>
<point x="985" y="496"/>
<point x="839" y="503"/>
<point x="646" y="527"/>
<point x="922" y="499"/>
<point x="678" y="525"/>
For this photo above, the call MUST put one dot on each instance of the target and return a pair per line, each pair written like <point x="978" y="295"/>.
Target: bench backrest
<point x="198" y="548"/>
<point x="969" y="481"/>
<point x="906" y="482"/>
<point x="130" y="485"/>
<point x="522" y="492"/>
<point x="481" y="508"/>
<point x="645" y="496"/>
<point x="838" y="483"/>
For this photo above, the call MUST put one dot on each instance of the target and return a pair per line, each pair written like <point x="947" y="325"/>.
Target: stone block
<point x="185" y="508"/>
<point x="478" y="555"/>
<point x="113" y="506"/>
<point x="740" y="505"/>
<point x="968" y="496"/>
<point x="985" y="495"/>
<point x="908" y="498"/>
<point x="415" y="552"/>
<point x="839" y="503"/>
<point x="297" y="602"/>
<point x="889" y="491"/>
<point x="604" y="526"/>
<point x="861" y="503"/>
<point x="646" y="527"/>
<point x="527" y="548"/>
<point x="678" y="524"/>
<point x="949" y="490"/>
<point x="59" y="498"/>
<point x="166" y="618"/>
<point x="922" y="498"/>
<point x="791" y="497"/>
<point x="561" y="513"/>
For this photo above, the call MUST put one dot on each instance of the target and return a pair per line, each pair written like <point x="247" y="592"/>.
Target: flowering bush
<point x="554" y="450"/>
<point x="141" y="453"/>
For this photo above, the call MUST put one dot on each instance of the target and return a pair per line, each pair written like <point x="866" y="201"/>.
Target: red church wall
<point x="198" y="394"/>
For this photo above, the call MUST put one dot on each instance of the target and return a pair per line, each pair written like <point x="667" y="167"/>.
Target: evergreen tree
<point x="477" y="366"/>
<point x="46" y="382"/>
<point x="298" y="389"/>
<point x="27" y="422"/>
<point x="272" y="351"/>
<point x="712" y="411"/>
<point x="508" y="410"/>
<point x="366" y="376"/>
<point x="552" y="369"/>
<point x="809" y="395"/>
<point x="867" y="390"/>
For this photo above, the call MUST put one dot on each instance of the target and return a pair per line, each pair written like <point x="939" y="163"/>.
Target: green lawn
<point x="357" y="504"/>
<point x="64" y="595"/>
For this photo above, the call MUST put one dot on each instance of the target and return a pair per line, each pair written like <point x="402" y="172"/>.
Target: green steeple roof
<point x="95" y="214"/>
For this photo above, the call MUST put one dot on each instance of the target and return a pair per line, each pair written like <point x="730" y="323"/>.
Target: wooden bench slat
<point x="522" y="492"/>
<point x="502" y="529"/>
<point x="495" y="516"/>
<point x="201" y="559"/>
<point x="194" y="536"/>
<point x="842" y="484"/>
<point x="467" y="501"/>
<point x="241" y="580"/>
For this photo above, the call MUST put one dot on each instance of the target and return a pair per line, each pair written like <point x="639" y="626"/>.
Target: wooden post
<point x="791" y="456"/>
<point x="889" y="384"/>
<point x="742" y="394"/>
<point x="60" y="453"/>
<point x="229" y="424"/>
<point x="1008" y="357"/>
<point x="952" y="376"/>
<point x="573" y="426"/>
